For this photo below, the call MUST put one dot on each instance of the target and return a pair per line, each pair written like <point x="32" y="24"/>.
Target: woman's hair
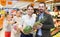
<point x="20" y="10"/>
<point x="30" y="6"/>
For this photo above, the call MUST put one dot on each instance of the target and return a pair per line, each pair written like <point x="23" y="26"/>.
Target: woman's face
<point x="18" y="13"/>
<point x="30" y="10"/>
<point x="9" y="17"/>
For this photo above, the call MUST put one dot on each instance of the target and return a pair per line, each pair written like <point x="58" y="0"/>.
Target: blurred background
<point x="52" y="7"/>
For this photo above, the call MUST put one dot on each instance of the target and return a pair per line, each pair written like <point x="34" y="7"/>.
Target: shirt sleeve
<point x="21" y="22"/>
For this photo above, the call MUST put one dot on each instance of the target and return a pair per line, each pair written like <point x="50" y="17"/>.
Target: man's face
<point x="30" y="10"/>
<point x="41" y="7"/>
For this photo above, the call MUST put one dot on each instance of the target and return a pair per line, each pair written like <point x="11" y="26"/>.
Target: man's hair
<point x="43" y="3"/>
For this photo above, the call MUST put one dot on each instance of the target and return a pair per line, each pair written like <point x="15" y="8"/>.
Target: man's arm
<point x="49" y="23"/>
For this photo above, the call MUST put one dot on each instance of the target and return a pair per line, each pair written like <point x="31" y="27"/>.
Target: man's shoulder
<point x="47" y="14"/>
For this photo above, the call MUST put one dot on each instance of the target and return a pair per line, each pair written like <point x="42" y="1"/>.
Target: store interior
<point x="13" y="5"/>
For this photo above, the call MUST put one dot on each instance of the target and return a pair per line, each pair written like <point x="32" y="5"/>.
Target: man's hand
<point x="39" y="26"/>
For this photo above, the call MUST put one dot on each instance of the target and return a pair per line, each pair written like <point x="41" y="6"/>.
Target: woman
<point x="7" y="25"/>
<point x="17" y="22"/>
<point x="28" y="19"/>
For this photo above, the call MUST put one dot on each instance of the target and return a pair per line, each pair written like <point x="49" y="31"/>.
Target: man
<point x="44" y="29"/>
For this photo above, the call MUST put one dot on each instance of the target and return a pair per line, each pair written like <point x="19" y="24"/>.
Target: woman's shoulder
<point x="23" y="16"/>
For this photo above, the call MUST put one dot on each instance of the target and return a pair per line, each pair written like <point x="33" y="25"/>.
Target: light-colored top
<point x="18" y="20"/>
<point x="7" y="26"/>
<point x="27" y="20"/>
